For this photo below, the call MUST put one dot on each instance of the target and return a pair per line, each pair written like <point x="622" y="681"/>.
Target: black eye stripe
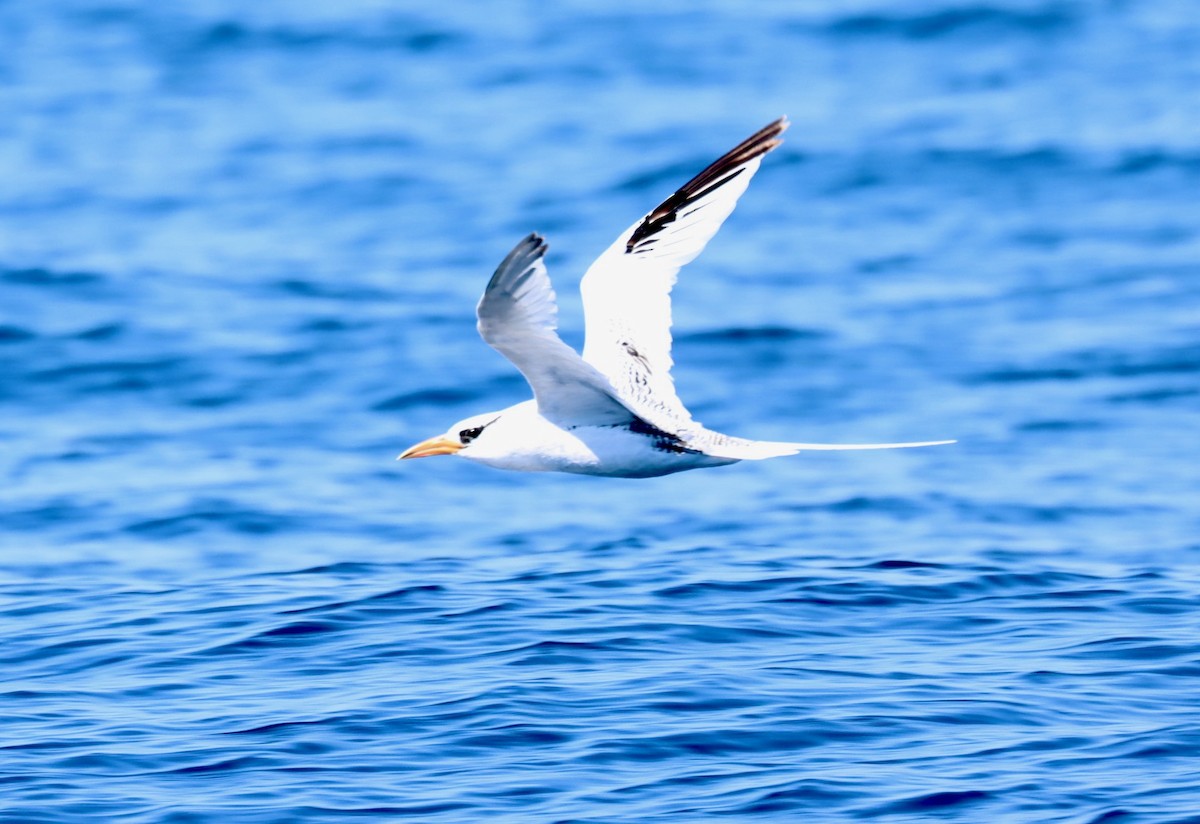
<point x="468" y="435"/>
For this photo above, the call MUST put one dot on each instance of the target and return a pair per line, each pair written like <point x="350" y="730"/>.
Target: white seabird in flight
<point x="614" y="410"/>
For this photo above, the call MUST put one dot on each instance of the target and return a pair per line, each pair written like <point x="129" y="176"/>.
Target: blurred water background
<point x="240" y="248"/>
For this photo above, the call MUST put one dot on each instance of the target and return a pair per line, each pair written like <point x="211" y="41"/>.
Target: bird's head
<point x="457" y="439"/>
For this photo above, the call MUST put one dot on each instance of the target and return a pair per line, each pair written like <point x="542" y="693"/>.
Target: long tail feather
<point x="759" y="450"/>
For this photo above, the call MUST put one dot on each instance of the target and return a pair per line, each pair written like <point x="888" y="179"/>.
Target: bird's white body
<point x="614" y="410"/>
<point x="521" y="439"/>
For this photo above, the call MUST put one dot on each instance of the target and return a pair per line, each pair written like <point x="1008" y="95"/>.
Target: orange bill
<point x="441" y="445"/>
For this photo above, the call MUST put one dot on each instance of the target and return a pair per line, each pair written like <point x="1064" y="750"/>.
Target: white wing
<point x="518" y="317"/>
<point x="627" y="291"/>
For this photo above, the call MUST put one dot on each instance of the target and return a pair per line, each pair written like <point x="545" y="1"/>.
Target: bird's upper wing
<point x="627" y="291"/>
<point x="518" y="317"/>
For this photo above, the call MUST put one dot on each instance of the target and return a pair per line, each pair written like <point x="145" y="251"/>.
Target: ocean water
<point x="240" y="248"/>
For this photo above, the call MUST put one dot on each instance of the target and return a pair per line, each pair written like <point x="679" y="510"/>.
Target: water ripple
<point x="241" y="248"/>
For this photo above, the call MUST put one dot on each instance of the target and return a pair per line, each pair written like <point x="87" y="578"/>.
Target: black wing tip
<point x="716" y="174"/>
<point x="527" y="252"/>
<point x="766" y="139"/>
<point x="779" y="124"/>
<point x="532" y="244"/>
<point x="530" y="248"/>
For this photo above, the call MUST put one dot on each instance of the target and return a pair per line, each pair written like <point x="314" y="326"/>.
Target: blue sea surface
<point x="240" y="249"/>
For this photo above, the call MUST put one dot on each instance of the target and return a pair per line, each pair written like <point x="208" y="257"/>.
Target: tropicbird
<point x="614" y="410"/>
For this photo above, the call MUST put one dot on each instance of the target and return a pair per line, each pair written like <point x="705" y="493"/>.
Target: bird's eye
<point x="468" y="435"/>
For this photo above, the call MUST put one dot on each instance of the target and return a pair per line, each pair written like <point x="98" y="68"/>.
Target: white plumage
<point x="613" y="411"/>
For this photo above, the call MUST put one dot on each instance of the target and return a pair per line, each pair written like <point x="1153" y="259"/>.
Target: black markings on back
<point x="632" y="351"/>
<point x="662" y="441"/>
